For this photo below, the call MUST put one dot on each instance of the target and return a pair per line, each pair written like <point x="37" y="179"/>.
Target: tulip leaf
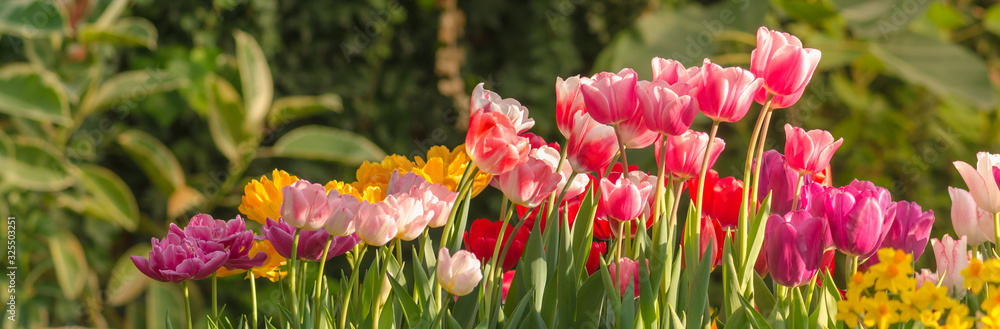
<point x="255" y="77"/>
<point x="943" y="68"/>
<point x="535" y="264"/>
<point x="112" y="195"/>
<point x="762" y="295"/>
<point x="514" y="320"/>
<point x="154" y="158"/>
<point x="329" y="144"/>
<point x="647" y="299"/>
<point x="626" y="317"/>
<point x="422" y="288"/>
<point x="757" y="230"/>
<point x="225" y="119"/>
<point x="130" y="31"/>
<point x="590" y="302"/>
<point x="738" y="319"/>
<point x="828" y="295"/>
<point x="292" y="108"/>
<point x="755" y="318"/>
<point x="798" y="317"/>
<point x="70" y="263"/>
<point x="609" y="287"/>
<point x="465" y="309"/>
<point x="37" y="165"/>
<point x="30" y="18"/>
<point x="33" y="93"/>
<point x="731" y="280"/>
<point x="127" y="282"/>
<point x="410" y="309"/>
<point x="127" y="89"/>
<point x="698" y="295"/>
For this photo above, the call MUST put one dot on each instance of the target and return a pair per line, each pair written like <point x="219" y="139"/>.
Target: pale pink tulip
<point x="409" y="215"/>
<point x="305" y="205"/>
<point x="968" y="219"/>
<point x="725" y="94"/>
<point x="437" y="199"/>
<point x="628" y="274"/>
<point x="568" y="103"/>
<point x="610" y="98"/>
<point x="342" y="220"/>
<point x="982" y="180"/>
<point x="784" y="65"/>
<point x="458" y="274"/>
<point x="665" y="111"/>
<point x="809" y="152"/>
<point x="591" y="145"/>
<point x="493" y="143"/>
<point x="672" y="72"/>
<point x="533" y="181"/>
<point x="952" y="257"/>
<point x="376" y="224"/>
<point x="686" y="152"/>
<point x="509" y="107"/>
<point x="926" y="276"/>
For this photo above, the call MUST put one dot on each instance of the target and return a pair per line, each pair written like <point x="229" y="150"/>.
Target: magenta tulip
<point x="665" y="111"/>
<point x="725" y="94"/>
<point x="794" y="247"/>
<point x="591" y="145"/>
<point x="175" y="259"/>
<point x="784" y="65"/>
<point x="983" y="180"/>
<point x="624" y="198"/>
<point x="968" y="219"/>
<point x="857" y="218"/>
<point x="311" y="242"/>
<point x="610" y="98"/>
<point x="685" y="153"/>
<point x="214" y="234"/>
<point x="568" y="103"/>
<point x="779" y="180"/>
<point x="911" y="227"/>
<point x="809" y="152"/>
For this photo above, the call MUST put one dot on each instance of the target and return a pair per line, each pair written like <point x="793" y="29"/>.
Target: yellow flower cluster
<point x="441" y="167"/>
<point x="262" y="198"/>
<point x="886" y="294"/>
<point x="979" y="275"/>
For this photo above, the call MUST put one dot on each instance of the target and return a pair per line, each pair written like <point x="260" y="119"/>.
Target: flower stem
<point x="621" y="148"/>
<point x="854" y="267"/>
<point x="494" y="260"/>
<point x="701" y="177"/>
<point x="215" y="299"/>
<point x="187" y="305"/>
<point x="767" y="110"/>
<point x="795" y="198"/>
<point x="996" y="231"/>
<point x="253" y="297"/>
<point x="317" y="307"/>
<point x="291" y="276"/>
<point x="359" y="255"/>
<point x="745" y="204"/>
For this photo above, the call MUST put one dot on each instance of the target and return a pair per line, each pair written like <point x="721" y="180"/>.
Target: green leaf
<point x="30" y="19"/>
<point x="879" y="19"/>
<point x="698" y="295"/>
<point x="128" y="89"/>
<point x="944" y="16"/>
<point x="991" y="20"/>
<point x="255" y="77"/>
<point x="111" y="194"/>
<point x="329" y="144"/>
<point x="410" y="309"/>
<point x="515" y="319"/>
<point x="626" y="318"/>
<point x="944" y="68"/>
<point x="33" y="93"/>
<point x="292" y="108"/>
<point x="809" y="11"/>
<point x="225" y="119"/>
<point x="756" y="238"/>
<point x="762" y="295"/>
<point x="154" y="158"/>
<point x="130" y="32"/>
<point x="111" y="12"/>
<point x="37" y="166"/>
<point x="127" y="282"/>
<point x="590" y="302"/>
<point x="535" y="265"/>
<point x="70" y="263"/>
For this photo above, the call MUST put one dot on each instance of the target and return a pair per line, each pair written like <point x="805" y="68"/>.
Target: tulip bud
<point x="458" y="274"/>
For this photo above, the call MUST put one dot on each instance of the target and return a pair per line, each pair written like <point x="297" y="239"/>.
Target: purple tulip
<point x="778" y="179"/>
<point x="857" y="217"/>
<point x="794" y="247"/>
<point x="176" y="259"/>
<point x="231" y="237"/>
<point x="311" y="243"/>
<point x="911" y="228"/>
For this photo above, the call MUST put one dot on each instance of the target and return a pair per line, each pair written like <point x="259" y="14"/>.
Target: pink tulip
<point x="784" y="65"/>
<point x="533" y="181"/>
<point x="635" y="134"/>
<point x="408" y="213"/>
<point x="625" y="198"/>
<point x="629" y="274"/>
<point x="968" y="219"/>
<point x="311" y="242"/>
<point x="665" y="111"/>
<point x="591" y="145"/>
<point x="436" y="199"/>
<point x="175" y="259"/>
<point x="305" y="205"/>
<point x="672" y="72"/>
<point x="926" y="276"/>
<point x="686" y="152"/>
<point x="911" y="227"/>
<point x="458" y="274"/>
<point x="610" y="98"/>
<point x="952" y="257"/>
<point x="809" y="152"/>
<point x="493" y="143"/>
<point x="376" y="224"/>
<point x="568" y="103"/>
<point x="215" y="234"/>
<point x="779" y="180"/>
<point x="982" y="180"/>
<point x="509" y="107"/>
<point x="725" y="94"/>
<point x="857" y="218"/>
<point x="794" y="247"/>
<point x="341" y="221"/>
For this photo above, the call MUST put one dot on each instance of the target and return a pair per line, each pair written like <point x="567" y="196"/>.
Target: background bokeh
<point x="118" y="117"/>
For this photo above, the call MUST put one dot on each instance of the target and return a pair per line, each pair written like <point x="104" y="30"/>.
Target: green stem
<point x="253" y="297"/>
<point x="359" y="256"/>
<point x="854" y="266"/>
<point x="795" y="198"/>
<point x="489" y="274"/>
<point x="291" y="277"/>
<point x="464" y="186"/>
<point x="304" y="271"/>
<point x="760" y="154"/>
<point x="701" y="177"/>
<point x="317" y="307"/>
<point x="621" y="149"/>
<point x="745" y="204"/>
<point x="215" y="299"/>
<point x="996" y="231"/>
<point x="187" y="305"/>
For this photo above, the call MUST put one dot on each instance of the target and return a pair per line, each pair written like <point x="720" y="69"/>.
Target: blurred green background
<point x="118" y="117"/>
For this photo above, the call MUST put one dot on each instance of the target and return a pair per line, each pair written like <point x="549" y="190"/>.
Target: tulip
<point x="568" y="103"/>
<point x="635" y="133"/>
<point x="531" y="183"/>
<point x="311" y="242"/>
<point x="458" y="274"/>
<point x="409" y="215"/>
<point x="628" y="273"/>
<point x="722" y="197"/>
<point x="711" y="232"/>
<point x="508" y="278"/>
<point x="952" y="257"/>
<point x="481" y="240"/>
<point x="779" y="180"/>
<point x="664" y="110"/>
<point x="982" y="180"/>
<point x="809" y="152"/>
<point x="968" y="219"/>
<point x="597" y="250"/>
<point x="435" y="199"/>
<point x="489" y="101"/>
<point x="857" y="219"/>
<point x="686" y="152"/>
<point x="725" y="94"/>
<point x="175" y="259"/>
<point x="672" y="72"/>
<point x="610" y="98"/>
<point x="625" y="198"/>
<point x="305" y="205"/>
<point x="493" y="143"/>
<point x="784" y="65"/>
<point x="376" y="224"/>
<point x="232" y="237"/>
<point x="342" y="220"/>
<point x="911" y="227"/>
<point x="591" y="145"/>
<point x="926" y="276"/>
<point x="794" y="247"/>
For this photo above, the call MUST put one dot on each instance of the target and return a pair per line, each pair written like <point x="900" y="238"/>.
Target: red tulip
<point x="597" y="250"/>
<point x="722" y="197"/>
<point x="482" y="237"/>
